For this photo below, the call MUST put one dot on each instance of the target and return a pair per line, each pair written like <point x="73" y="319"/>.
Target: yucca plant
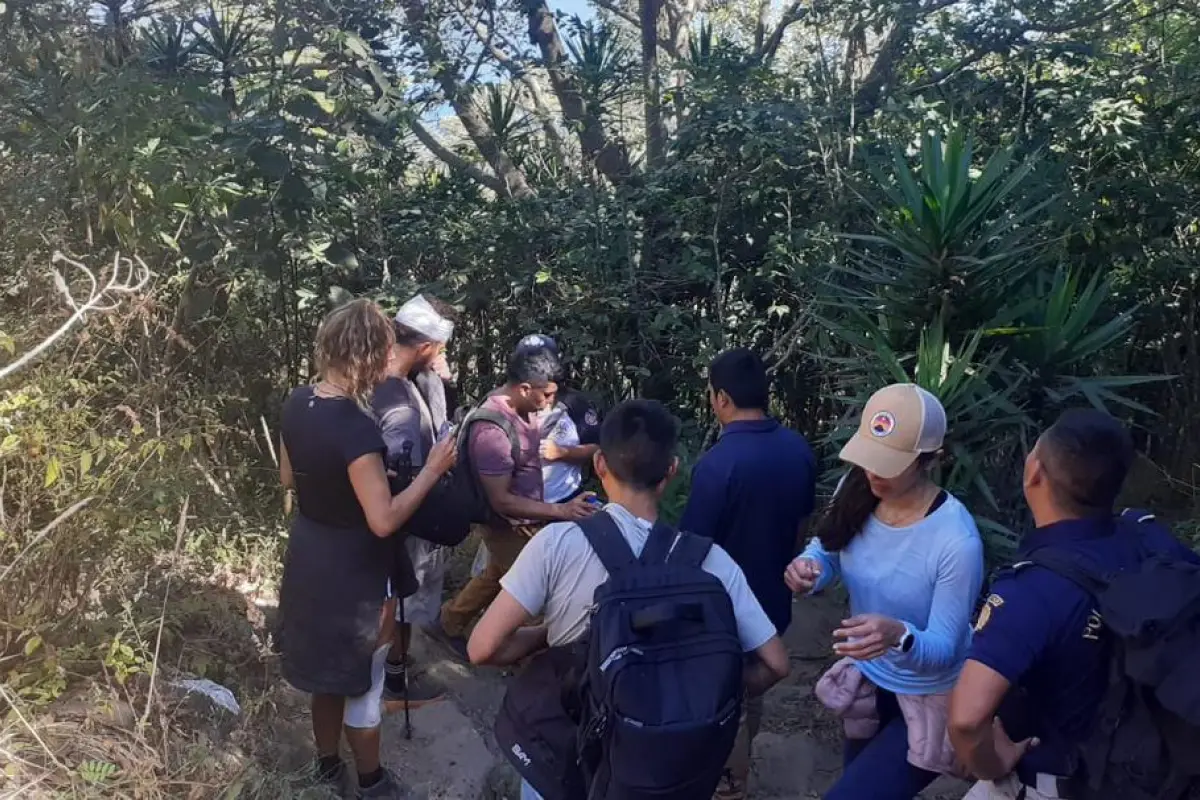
<point x="508" y="122"/>
<point x="168" y="44"/>
<point x="950" y="240"/>
<point x="604" y="65"/>
<point x="951" y="292"/>
<point x="1065" y="334"/>
<point x="230" y="41"/>
<point x="985" y="426"/>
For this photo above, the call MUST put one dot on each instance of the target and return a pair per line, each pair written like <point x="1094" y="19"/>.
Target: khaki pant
<point x="738" y="764"/>
<point x="1006" y="789"/>
<point x="503" y="546"/>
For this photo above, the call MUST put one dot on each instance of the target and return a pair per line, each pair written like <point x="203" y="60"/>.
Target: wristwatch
<point x="907" y="640"/>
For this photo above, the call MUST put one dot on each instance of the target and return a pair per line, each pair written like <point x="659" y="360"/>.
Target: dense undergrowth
<point x="983" y="204"/>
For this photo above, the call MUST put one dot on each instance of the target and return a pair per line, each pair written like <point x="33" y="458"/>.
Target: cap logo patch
<point x="882" y="424"/>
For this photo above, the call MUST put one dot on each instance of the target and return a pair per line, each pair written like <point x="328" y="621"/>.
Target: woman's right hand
<point x="443" y="456"/>
<point x="802" y="575"/>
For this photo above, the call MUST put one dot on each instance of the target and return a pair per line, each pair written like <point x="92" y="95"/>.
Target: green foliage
<point x="1004" y="340"/>
<point x="98" y="773"/>
<point x="973" y="201"/>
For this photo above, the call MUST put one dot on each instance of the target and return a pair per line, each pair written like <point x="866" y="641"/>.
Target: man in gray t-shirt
<point x="409" y="422"/>
<point x="556" y="574"/>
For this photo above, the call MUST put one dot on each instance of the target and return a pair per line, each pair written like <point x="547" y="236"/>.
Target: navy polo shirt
<point x="749" y="494"/>
<point x="1043" y="633"/>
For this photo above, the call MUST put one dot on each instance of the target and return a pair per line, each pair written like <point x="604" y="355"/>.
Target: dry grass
<point x="115" y="725"/>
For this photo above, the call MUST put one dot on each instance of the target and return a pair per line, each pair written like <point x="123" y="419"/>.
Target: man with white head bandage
<point x="411" y="406"/>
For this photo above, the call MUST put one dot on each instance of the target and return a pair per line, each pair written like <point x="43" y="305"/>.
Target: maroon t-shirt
<point x="491" y="450"/>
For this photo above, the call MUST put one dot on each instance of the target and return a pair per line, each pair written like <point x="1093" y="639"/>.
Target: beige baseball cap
<point x="899" y="423"/>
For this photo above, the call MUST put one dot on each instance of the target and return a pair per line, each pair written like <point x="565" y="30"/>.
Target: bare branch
<point x="454" y="160"/>
<point x="609" y="156"/>
<point x="633" y="20"/>
<point x="162" y="619"/>
<point x="520" y="72"/>
<point x="43" y="533"/>
<point x="127" y="278"/>
<point x="770" y="45"/>
<point x="510" y="179"/>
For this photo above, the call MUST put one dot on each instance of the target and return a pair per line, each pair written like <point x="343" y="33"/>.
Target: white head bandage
<point x="418" y="315"/>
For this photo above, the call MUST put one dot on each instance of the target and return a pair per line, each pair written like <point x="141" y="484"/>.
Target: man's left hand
<point x="1008" y="751"/>
<point x="867" y="636"/>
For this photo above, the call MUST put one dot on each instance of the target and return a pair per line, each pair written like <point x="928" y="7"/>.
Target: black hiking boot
<point x="386" y="788"/>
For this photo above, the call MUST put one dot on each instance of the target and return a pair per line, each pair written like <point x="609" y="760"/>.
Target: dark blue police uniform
<point x="1043" y="633"/>
<point x="584" y="413"/>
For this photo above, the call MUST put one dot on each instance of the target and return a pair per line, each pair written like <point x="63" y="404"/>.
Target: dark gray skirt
<point x="335" y="582"/>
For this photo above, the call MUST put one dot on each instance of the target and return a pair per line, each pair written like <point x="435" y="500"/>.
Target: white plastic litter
<point x="213" y="691"/>
<point x="481" y="561"/>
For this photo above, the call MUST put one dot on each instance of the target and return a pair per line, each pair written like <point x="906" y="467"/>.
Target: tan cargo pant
<point x="503" y="546"/>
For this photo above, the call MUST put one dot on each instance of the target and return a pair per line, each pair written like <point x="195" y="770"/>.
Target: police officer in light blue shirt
<point x="1040" y="632"/>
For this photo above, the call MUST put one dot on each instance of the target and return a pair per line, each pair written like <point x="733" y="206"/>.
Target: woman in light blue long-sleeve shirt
<point x="910" y="556"/>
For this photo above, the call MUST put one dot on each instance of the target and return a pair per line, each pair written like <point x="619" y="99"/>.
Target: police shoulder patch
<point x="993" y="602"/>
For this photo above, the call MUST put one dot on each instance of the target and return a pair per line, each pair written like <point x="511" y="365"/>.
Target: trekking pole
<point x="404" y="666"/>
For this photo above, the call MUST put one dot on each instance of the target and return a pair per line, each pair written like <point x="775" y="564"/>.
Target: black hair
<point x="638" y="439"/>
<point x="740" y="373"/>
<point x="850" y="508"/>
<point x="536" y="366"/>
<point x="407" y="337"/>
<point x="1087" y="454"/>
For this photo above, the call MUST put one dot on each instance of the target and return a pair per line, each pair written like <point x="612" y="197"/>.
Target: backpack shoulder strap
<point x="607" y="541"/>
<point x="660" y="542"/>
<point x="505" y="424"/>
<point x="690" y="549"/>
<point x="1072" y="569"/>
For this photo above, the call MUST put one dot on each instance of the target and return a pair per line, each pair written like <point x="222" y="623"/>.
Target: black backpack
<point x="662" y="689"/>
<point x="458" y="499"/>
<point x="1146" y="742"/>
<point x="537" y="727"/>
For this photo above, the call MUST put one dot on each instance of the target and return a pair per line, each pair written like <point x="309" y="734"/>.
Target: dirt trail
<point x="453" y="756"/>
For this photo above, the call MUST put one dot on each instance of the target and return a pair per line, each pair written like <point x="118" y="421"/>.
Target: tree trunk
<point x="512" y="179"/>
<point x="655" y="134"/>
<point x="609" y="157"/>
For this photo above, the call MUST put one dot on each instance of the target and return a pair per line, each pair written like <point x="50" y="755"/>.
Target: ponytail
<point x="852" y="504"/>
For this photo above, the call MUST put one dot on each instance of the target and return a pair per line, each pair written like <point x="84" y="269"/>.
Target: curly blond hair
<point x="355" y="340"/>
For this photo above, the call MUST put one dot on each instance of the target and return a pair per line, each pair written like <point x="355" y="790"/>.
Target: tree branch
<point x="127" y="278"/>
<point x="770" y="45"/>
<point x="610" y="158"/>
<point x="520" y="72"/>
<point x="1013" y="39"/>
<point x="632" y="19"/>
<point x="512" y="179"/>
<point x="455" y="161"/>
